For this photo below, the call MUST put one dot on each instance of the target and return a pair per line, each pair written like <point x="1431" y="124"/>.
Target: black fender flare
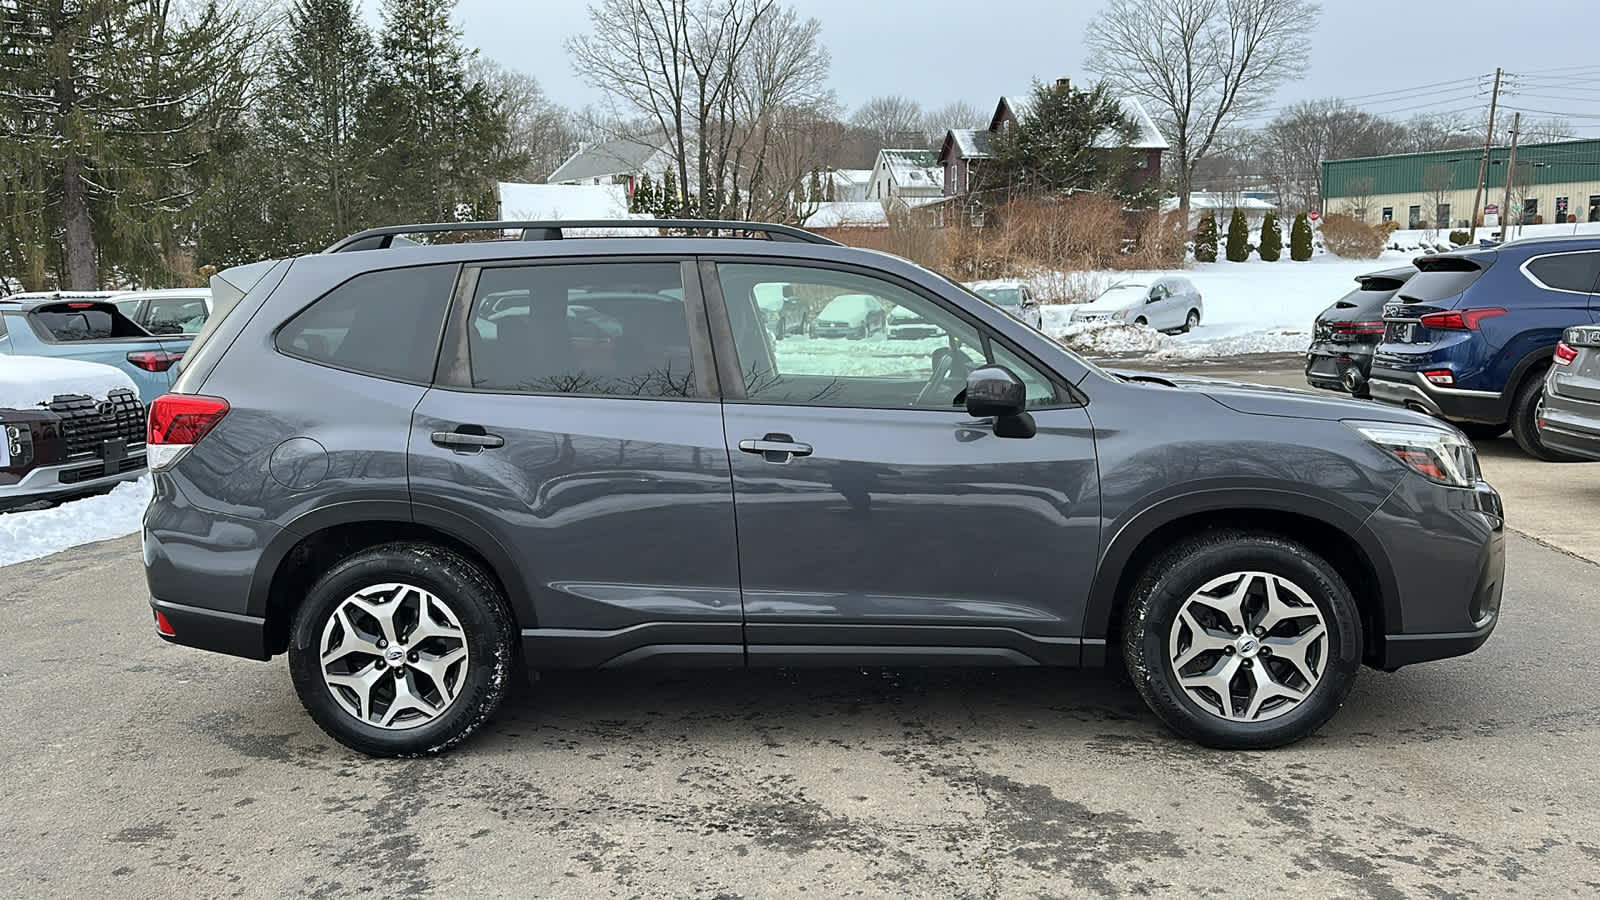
<point x="1531" y="360"/>
<point x="360" y="512"/>
<point x="1127" y="537"/>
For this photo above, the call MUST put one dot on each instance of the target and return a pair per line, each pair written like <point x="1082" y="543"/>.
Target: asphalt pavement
<point x="137" y="769"/>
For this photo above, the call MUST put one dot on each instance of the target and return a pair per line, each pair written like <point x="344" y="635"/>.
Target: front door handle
<point x="468" y="441"/>
<point x="776" y="448"/>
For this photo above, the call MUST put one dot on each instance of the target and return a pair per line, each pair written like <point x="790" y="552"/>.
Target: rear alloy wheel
<point x="1525" y="421"/>
<point x="401" y="650"/>
<point x="1192" y="322"/>
<point x="1242" y="641"/>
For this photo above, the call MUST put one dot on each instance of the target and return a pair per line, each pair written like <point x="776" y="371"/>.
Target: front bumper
<point x="1447" y="548"/>
<point x="70" y="479"/>
<point x="1409" y="389"/>
<point x="837" y="331"/>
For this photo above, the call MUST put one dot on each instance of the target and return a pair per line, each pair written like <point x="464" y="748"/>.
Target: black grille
<point x="86" y="423"/>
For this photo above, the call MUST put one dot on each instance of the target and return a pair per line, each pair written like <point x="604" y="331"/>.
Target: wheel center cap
<point x="396" y="657"/>
<point x="1247" y="646"/>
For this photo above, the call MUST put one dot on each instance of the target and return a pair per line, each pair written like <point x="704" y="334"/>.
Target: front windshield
<point x="1002" y="296"/>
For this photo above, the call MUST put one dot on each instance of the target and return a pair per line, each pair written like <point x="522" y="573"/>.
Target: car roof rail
<point x="393" y="235"/>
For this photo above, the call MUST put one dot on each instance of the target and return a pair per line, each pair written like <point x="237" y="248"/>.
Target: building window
<point x="1441" y="216"/>
<point x="1594" y="207"/>
<point x="1414" y="217"/>
<point x="1561" y="210"/>
<point x="1360" y="213"/>
<point x="1388" y="214"/>
<point x="1530" y="208"/>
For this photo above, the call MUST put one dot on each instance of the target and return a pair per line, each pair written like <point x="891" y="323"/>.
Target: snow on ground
<point x="875" y="355"/>
<point x="30" y="535"/>
<point x="1250" y="307"/>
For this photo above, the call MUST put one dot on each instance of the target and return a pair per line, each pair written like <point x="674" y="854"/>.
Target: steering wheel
<point x="949" y="367"/>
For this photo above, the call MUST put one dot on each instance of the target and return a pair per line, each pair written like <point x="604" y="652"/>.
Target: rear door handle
<point x="468" y="441"/>
<point x="776" y="448"/>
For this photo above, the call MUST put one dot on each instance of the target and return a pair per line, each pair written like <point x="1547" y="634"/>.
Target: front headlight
<point x="1122" y="314"/>
<point x="1438" y="454"/>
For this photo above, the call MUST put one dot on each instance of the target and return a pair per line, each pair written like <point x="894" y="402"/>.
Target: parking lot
<point x="138" y="769"/>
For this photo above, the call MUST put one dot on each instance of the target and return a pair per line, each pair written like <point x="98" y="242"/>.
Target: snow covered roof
<point x="973" y="143"/>
<point x="913" y="168"/>
<point x="848" y="214"/>
<point x="544" y="202"/>
<point x="1215" y="200"/>
<point x="619" y="156"/>
<point x="850" y="176"/>
<point x="1149" y="135"/>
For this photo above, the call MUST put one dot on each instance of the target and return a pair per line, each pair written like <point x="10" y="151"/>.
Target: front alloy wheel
<point x="1248" y="646"/>
<point x="1242" y="640"/>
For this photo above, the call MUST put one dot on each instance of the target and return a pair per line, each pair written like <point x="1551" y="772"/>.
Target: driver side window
<point x="868" y="343"/>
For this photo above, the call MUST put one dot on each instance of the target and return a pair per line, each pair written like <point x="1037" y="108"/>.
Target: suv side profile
<point x="401" y="466"/>
<point x="1471" y="336"/>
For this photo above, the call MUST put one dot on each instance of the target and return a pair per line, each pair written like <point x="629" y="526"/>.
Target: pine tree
<point x="1300" y="239"/>
<point x="1205" y="239"/>
<point x="321" y="71"/>
<point x="1271" y="249"/>
<point x="669" y="203"/>
<point x="1062" y="143"/>
<point x="644" y="196"/>
<point x="814" y="190"/>
<point x="1238" y="237"/>
<point x="439" y="142"/>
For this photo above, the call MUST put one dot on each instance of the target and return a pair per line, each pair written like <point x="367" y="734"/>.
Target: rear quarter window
<point x="1442" y="277"/>
<point x="1576" y="272"/>
<point x="384" y="323"/>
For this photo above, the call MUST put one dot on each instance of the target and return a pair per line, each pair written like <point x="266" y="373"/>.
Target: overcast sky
<point x="978" y="51"/>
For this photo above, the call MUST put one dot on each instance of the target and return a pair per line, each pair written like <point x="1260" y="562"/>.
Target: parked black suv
<point x="401" y="465"/>
<point x="1345" y="334"/>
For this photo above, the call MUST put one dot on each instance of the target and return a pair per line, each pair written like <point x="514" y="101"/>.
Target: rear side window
<point x="613" y="329"/>
<point x="175" y="315"/>
<point x="1440" y="278"/>
<point x="381" y="323"/>
<point x="77" y="321"/>
<point x="1567" y="271"/>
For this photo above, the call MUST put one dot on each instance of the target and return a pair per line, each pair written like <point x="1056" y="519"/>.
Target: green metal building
<point x="1556" y="182"/>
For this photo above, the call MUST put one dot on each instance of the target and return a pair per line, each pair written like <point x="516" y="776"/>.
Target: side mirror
<point x="994" y="391"/>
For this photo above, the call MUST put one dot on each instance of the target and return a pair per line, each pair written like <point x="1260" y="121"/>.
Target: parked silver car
<point x="1012" y="296"/>
<point x="1171" y="303"/>
<point x="1568" y="417"/>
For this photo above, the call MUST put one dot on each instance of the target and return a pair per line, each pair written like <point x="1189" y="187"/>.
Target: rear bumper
<point x="210" y="629"/>
<point x="1339" y="367"/>
<point x="1411" y="390"/>
<point x="1570" y="426"/>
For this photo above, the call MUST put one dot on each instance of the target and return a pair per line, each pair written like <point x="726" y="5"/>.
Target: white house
<point x="848" y="214"/>
<point x="558" y="202"/>
<point x="906" y="174"/>
<point x="849" y="184"/>
<point x="1221" y="206"/>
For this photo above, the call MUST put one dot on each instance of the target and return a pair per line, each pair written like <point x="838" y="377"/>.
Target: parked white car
<point x="1169" y="303"/>
<point x="852" y="316"/>
<point x="1013" y="297"/>
<point x="174" y="311"/>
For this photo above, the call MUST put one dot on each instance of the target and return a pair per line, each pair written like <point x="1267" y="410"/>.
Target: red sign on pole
<point x="1313" y="215"/>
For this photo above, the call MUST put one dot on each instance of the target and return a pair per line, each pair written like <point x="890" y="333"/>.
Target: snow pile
<point x="30" y="535"/>
<point x="28" y="381"/>
<point x="1250" y="307"/>
<point x="874" y="356"/>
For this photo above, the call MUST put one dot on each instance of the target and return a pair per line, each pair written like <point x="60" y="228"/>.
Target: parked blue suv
<point x="1470" y="337"/>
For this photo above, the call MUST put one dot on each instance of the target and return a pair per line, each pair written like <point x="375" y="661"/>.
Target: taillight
<point x="1565" y="354"/>
<point x="154" y="360"/>
<point x="1352" y="328"/>
<point x="1460" y="319"/>
<point x="1440" y="376"/>
<point x="178" y="422"/>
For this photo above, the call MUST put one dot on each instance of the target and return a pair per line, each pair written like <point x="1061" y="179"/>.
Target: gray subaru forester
<point x="417" y="466"/>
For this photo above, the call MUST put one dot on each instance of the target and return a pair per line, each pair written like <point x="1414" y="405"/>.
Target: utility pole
<point x="1511" y="172"/>
<point x="1483" y="163"/>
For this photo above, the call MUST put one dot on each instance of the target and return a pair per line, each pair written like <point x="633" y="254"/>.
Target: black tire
<point x="1482" y="431"/>
<point x="1524" y="420"/>
<point x="1190" y="322"/>
<point x="486" y="625"/>
<point x="1141" y="321"/>
<point x="1169" y="582"/>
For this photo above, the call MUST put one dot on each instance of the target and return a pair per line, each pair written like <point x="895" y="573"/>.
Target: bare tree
<point x="893" y="121"/>
<point x="1205" y="65"/>
<point x="1358" y="195"/>
<point x="539" y="128"/>
<point x="1554" y="128"/>
<point x="676" y="63"/>
<point x="1438" y="131"/>
<point x="1437" y="181"/>
<point x="955" y="114"/>
<point x="1303" y="136"/>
